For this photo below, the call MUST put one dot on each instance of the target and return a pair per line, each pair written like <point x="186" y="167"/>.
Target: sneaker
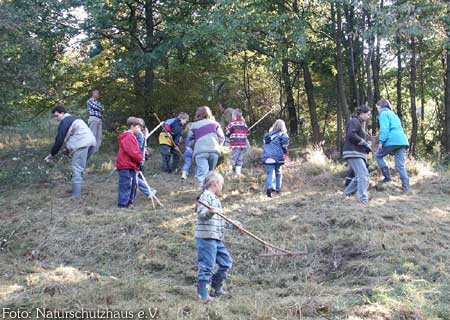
<point x="184" y="175"/>
<point x="269" y="193"/>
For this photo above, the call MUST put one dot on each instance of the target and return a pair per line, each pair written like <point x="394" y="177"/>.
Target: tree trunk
<point x="337" y="28"/>
<point x="447" y="102"/>
<point x="375" y="61"/>
<point x="293" y="121"/>
<point x="149" y="46"/>
<point x="399" y="77"/>
<point x="368" y="66"/>
<point x="311" y="104"/>
<point x="349" y="13"/>
<point x="246" y="80"/>
<point x="412" y="93"/>
<point x="342" y="108"/>
<point x="422" y="95"/>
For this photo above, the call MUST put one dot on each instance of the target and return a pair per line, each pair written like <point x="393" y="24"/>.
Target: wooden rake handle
<point x="242" y="229"/>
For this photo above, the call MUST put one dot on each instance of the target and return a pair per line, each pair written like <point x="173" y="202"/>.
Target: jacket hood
<point x="123" y="135"/>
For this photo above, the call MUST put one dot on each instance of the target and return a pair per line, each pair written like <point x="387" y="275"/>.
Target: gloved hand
<point x="366" y="147"/>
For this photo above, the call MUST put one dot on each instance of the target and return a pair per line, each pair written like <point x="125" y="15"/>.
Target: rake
<point x="270" y="250"/>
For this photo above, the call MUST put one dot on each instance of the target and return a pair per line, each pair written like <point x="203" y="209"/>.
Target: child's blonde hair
<point x="279" y="125"/>
<point x="212" y="178"/>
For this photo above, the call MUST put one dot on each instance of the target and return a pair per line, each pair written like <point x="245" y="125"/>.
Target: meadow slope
<point x="387" y="260"/>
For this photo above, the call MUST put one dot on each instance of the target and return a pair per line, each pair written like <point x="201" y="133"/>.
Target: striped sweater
<point x="237" y="131"/>
<point x="205" y="136"/>
<point x="210" y="226"/>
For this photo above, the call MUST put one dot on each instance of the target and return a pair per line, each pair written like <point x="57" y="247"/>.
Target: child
<point x="237" y="131"/>
<point x="206" y="137"/>
<point x="173" y="131"/>
<point x="143" y="186"/>
<point x="128" y="160"/>
<point x="209" y="235"/>
<point x="187" y="154"/>
<point x="275" y="146"/>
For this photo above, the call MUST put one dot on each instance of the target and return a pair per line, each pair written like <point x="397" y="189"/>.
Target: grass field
<point x="387" y="260"/>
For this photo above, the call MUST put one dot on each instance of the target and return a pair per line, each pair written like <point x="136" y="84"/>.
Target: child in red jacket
<point x="128" y="160"/>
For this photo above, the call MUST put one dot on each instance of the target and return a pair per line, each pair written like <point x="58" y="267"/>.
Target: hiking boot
<point x="405" y="185"/>
<point x="386" y="174"/>
<point x="76" y="190"/>
<point x="269" y="193"/>
<point x="184" y="175"/>
<point x="203" y="294"/>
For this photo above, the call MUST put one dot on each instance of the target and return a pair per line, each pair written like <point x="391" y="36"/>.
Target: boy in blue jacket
<point x="172" y="133"/>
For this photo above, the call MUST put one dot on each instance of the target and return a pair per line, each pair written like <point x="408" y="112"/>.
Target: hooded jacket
<point x="275" y="145"/>
<point x="129" y="156"/>
<point x="391" y="131"/>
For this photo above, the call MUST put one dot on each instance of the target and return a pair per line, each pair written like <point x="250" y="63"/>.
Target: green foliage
<point x="165" y="56"/>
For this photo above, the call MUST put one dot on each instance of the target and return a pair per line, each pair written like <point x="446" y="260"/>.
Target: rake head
<point x="273" y="252"/>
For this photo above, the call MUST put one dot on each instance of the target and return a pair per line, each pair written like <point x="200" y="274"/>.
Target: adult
<point x="392" y="141"/>
<point x="206" y="137"/>
<point x="275" y="144"/>
<point x="356" y="148"/>
<point x="79" y="139"/>
<point x="95" y="120"/>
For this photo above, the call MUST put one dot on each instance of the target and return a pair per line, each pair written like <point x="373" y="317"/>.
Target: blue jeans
<point x="142" y="185"/>
<point x="210" y="252"/>
<point x="399" y="153"/>
<point x="237" y="155"/>
<point x="127" y="187"/>
<point x="187" y="160"/>
<point x="204" y="163"/>
<point x="360" y="183"/>
<point x="270" y="168"/>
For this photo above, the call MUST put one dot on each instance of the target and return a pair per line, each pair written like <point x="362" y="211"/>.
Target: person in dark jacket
<point x="392" y="141"/>
<point x="172" y="133"/>
<point x="356" y="148"/>
<point x="275" y="145"/>
<point x="79" y="141"/>
<point x="128" y="161"/>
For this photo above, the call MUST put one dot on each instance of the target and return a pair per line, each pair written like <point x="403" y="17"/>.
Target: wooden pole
<point x="242" y="229"/>
<point x="260" y="119"/>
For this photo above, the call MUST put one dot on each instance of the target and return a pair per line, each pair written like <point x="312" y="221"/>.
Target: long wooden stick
<point x="170" y="137"/>
<point x="154" y="130"/>
<point x="242" y="229"/>
<point x="260" y="119"/>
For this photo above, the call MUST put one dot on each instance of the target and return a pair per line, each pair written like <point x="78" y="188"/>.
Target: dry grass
<point x="387" y="260"/>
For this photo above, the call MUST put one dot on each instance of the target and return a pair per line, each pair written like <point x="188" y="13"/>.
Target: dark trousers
<point x="167" y="153"/>
<point x="127" y="187"/>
